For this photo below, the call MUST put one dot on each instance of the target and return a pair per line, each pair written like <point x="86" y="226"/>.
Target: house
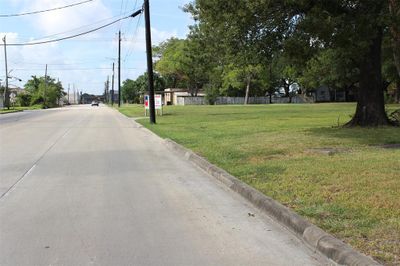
<point x="322" y="94"/>
<point x="326" y="94"/>
<point x="174" y="96"/>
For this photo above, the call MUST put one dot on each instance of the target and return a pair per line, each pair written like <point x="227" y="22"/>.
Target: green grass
<point x="7" y="111"/>
<point x="353" y="194"/>
<point x="19" y="109"/>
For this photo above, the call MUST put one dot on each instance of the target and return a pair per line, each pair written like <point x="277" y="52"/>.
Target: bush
<point x="211" y="95"/>
<point x="24" y="99"/>
<point x="37" y="99"/>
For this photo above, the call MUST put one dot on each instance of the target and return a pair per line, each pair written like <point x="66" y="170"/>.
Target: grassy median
<point x="346" y="181"/>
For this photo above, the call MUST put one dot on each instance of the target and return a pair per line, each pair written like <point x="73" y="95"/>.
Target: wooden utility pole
<point x="119" y="69"/>
<point x="112" y="86"/>
<point x="108" y="88"/>
<point x="45" y="87"/>
<point x="6" y="99"/>
<point x="149" y="62"/>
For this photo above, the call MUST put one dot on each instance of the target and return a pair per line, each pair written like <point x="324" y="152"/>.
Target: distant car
<point x="95" y="103"/>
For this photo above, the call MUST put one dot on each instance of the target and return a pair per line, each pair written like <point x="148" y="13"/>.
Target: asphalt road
<point x="86" y="186"/>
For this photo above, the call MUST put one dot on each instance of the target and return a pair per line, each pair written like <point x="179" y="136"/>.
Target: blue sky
<point x="86" y="61"/>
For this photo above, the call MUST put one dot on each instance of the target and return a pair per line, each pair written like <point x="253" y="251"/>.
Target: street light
<point x="12" y="77"/>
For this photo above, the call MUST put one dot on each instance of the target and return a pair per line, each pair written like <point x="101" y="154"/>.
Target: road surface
<point x="86" y="186"/>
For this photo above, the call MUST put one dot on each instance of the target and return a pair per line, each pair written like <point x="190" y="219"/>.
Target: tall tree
<point x="394" y="8"/>
<point x="171" y="61"/>
<point x="130" y="91"/>
<point x="184" y="61"/>
<point x="301" y="28"/>
<point x="142" y="83"/>
<point x="46" y="92"/>
<point x="332" y="68"/>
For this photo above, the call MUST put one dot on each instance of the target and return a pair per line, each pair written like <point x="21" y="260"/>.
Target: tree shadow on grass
<point x="364" y="136"/>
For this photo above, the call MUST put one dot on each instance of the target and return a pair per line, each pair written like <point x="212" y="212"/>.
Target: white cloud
<point x="66" y="19"/>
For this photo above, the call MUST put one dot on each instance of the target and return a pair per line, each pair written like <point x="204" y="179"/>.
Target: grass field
<point x="338" y="178"/>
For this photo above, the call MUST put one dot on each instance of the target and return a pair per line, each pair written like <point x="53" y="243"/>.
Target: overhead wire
<point x="85" y="26"/>
<point x="120" y="12"/>
<point x="130" y="48"/>
<point x="46" y="10"/>
<point x="120" y="24"/>
<point x="71" y="69"/>
<point x="128" y="27"/>
<point x="72" y="36"/>
<point x="128" y="53"/>
<point x="56" y="64"/>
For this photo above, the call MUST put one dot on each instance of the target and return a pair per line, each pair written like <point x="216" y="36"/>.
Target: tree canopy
<point x="132" y="90"/>
<point x="308" y="43"/>
<point x="44" y="91"/>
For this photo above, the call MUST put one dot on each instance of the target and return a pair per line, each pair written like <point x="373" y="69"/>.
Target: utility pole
<point x="5" y="96"/>
<point x="68" y="93"/>
<point x="112" y="86"/>
<point x="105" y="88"/>
<point x="73" y="86"/>
<point x="45" y="87"/>
<point x="108" y="86"/>
<point x="149" y="62"/>
<point x="119" y="69"/>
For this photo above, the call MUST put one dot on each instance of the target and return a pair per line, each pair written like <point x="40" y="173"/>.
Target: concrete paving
<point x="86" y="186"/>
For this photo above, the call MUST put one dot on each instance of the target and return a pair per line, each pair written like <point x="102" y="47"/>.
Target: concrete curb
<point x="312" y="235"/>
<point x="14" y="111"/>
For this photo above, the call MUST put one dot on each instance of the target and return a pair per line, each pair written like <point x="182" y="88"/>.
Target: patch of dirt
<point x="389" y="146"/>
<point x="326" y="151"/>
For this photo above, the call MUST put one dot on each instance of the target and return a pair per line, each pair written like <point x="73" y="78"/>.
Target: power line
<point x="85" y="26"/>
<point x="74" y="69"/>
<point x="120" y="12"/>
<point x="130" y="49"/>
<point x="42" y="11"/>
<point x="75" y="35"/>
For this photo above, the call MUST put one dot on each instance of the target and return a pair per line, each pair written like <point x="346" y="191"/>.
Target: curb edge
<point x="310" y="234"/>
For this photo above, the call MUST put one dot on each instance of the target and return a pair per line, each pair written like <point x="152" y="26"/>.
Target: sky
<point x="85" y="62"/>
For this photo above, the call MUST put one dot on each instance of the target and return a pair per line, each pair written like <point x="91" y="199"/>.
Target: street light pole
<point x="149" y="62"/>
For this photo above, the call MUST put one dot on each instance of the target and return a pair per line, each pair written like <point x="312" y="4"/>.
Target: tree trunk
<point x="6" y="100"/>
<point x="370" y="110"/>
<point x="397" y="92"/>
<point x="246" y="98"/>
<point x="196" y="90"/>
<point x="286" y="87"/>
<point x="174" y="82"/>
<point x="270" y="98"/>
